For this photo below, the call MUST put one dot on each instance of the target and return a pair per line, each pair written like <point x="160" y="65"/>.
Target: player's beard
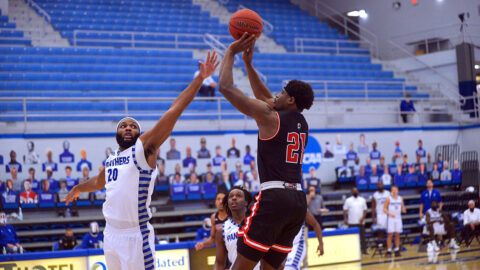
<point x="126" y="144"/>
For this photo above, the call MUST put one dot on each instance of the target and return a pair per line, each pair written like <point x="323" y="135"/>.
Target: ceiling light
<point x="477" y="66"/>
<point x="358" y="13"/>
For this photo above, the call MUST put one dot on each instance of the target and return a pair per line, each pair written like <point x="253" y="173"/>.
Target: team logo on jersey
<point x="299" y="126"/>
<point x="312" y="156"/>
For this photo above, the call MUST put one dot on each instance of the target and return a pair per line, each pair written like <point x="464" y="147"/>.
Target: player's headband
<point x="133" y="119"/>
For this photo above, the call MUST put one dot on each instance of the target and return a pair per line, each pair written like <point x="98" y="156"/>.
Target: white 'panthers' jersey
<point x="128" y="187"/>
<point x="380" y="201"/>
<point x="395" y="206"/>
<point x="230" y="229"/>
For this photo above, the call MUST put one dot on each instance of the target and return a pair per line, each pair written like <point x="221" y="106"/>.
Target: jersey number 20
<point x="294" y="152"/>
<point x="112" y="174"/>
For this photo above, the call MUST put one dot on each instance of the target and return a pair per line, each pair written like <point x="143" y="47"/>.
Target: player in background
<point x="299" y="250"/>
<point x="279" y="212"/>
<point x="128" y="235"/>
<point x="378" y="215"/>
<point x="394" y="207"/>
<point x="217" y="219"/>
<point x="235" y="204"/>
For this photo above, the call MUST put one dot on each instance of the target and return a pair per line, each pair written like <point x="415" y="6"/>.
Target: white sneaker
<point x="453" y="244"/>
<point x="429" y="247"/>
<point x="435" y="246"/>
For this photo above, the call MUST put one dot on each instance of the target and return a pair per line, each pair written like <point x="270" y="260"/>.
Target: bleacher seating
<point x="8" y="34"/>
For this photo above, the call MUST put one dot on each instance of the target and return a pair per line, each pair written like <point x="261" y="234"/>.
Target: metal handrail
<point x="133" y="38"/>
<point x="267" y="26"/>
<point x="300" y="46"/>
<point x="451" y="91"/>
<point x="372" y="40"/>
<point x="41" y="11"/>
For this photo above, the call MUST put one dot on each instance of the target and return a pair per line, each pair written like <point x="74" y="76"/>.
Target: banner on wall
<point x="71" y="263"/>
<point x="335" y="250"/>
<point x="312" y="156"/>
<point x="175" y="259"/>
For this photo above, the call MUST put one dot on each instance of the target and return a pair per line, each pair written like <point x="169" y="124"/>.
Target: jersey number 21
<point x="294" y="152"/>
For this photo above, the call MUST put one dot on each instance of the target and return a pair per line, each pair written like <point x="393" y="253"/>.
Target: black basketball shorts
<point x="275" y="219"/>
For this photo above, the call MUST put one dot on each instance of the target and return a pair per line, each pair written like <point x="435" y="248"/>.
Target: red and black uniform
<point x="280" y="208"/>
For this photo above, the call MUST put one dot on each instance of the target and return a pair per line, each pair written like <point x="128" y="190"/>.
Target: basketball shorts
<point x="394" y="225"/>
<point x="127" y="249"/>
<point x="382" y="220"/>
<point x="438" y="229"/>
<point x="298" y="253"/>
<point x="268" y="232"/>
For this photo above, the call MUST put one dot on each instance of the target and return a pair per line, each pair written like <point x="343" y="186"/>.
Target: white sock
<point x="396" y="249"/>
<point x="389" y="250"/>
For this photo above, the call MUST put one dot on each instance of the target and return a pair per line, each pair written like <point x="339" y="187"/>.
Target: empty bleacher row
<point x="8" y="34"/>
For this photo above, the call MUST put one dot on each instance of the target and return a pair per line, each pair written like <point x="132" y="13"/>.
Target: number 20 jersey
<point x="280" y="157"/>
<point x="128" y="188"/>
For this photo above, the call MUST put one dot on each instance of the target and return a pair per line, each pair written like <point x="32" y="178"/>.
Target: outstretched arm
<point x="310" y="219"/>
<point x="262" y="112"/>
<point x="260" y="90"/>
<point x="93" y="184"/>
<point x="153" y="138"/>
<point x="221" y="252"/>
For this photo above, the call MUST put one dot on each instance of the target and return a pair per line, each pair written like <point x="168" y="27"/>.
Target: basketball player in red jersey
<point x="279" y="212"/>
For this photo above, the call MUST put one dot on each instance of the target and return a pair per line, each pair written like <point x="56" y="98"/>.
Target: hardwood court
<point x="464" y="259"/>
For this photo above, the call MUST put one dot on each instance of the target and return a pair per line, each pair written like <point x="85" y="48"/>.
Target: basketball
<point x="245" y="20"/>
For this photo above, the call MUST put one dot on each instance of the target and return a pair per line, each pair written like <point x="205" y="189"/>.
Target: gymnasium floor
<point x="464" y="259"/>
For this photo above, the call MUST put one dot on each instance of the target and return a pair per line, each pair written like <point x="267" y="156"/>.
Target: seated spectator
<point x="253" y="167"/>
<point x="456" y="173"/>
<point x="420" y="151"/>
<point x="49" y="178"/>
<point x="46" y="195"/>
<point x="17" y="183"/>
<point x="62" y="191"/>
<point x="429" y="164"/>
<point x="373" y="178"/>
<point x="254" y="182"/>
<point x="417" y="164"/>
<point x="241" y="181"/>
<point x="13" y="163"/>
<point x="177" y="179"/>
<point x="85" y="196"/>
<point x="312" y="180"/>
<point x="368" y="167"/>
<point x="351" y="154"/>
<point x="405" y="165"/>
<point x="203" y="152"/>
<point x="342" y="171"/>
<point x="34" y="182"/>
<point x="234" y="176"/>
<point x="203" y="233"/>
<point x="83" y="161"/>
<point x="233" y="152"/>
<point x="427" y="197"/>
<point x="438" y="224"/>
<point x="28" y="196"/>
<point x="173" y="153"/>
<point x="386" y="177"/>
<point x="471" y="222"/>
<point x="161" y="178"/>
<point x="100" y="195"/>
<point x="8" y="236"/>
<point x="398" y="178"/>
<point x="375" y="154"/>
<point x="406" y="108"/>
<point x="440" y="163"/>
<point x="9" y="195"/>
<point x="193" y="179"/>
<point x="435" y="174"/>
<point x="362" y="180"/>
<point x="49" y="163"/>
<point x="446" y="175"/>
<point x="218" y="158"/>
<point x="208" y="85"/>
<point x="411" y="179"/>
<point x="208" y="170"/>
<point x="248" y="157"/>
<point x="356" y="167"/>
<point x="398" y="153"/>
<point x="178" y="170"/>
<point x="381" y="166"/>
<point x="68" y="241"/>
<point x="71" y="182"/>
<point x="209" y="178"/>
<point x="422" y="175"/>
<point x="189" y="162"/>
<point x="224" y="184"/>
<point x="94" y="238"/>
<point x="392" y="168"/>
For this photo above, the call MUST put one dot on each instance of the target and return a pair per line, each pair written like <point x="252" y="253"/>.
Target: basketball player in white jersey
<point x="394" y="207"/>
<point x="299" y="250"/>
<point x="379" y="217"/>
<point x="235" y="203"/>
<point x="129" y="237"/>
<point x="438" y="224"/>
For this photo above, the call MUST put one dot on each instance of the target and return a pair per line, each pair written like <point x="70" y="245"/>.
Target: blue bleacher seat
<point x="411" y="180"/>
<point x="10" y="201"/>
<point x="82" y="203"/>
<point x="29" y="205"/>
<point x="399" y="180"/>
<point x="456" y="177"/>
<point x="39" y="227"/>
<point x="209" y="191"/>
<point x="177" y="192"/>
<point x="194" y="192"/>
<point x="362" y="182"/>
<point x="46" y="200"/>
